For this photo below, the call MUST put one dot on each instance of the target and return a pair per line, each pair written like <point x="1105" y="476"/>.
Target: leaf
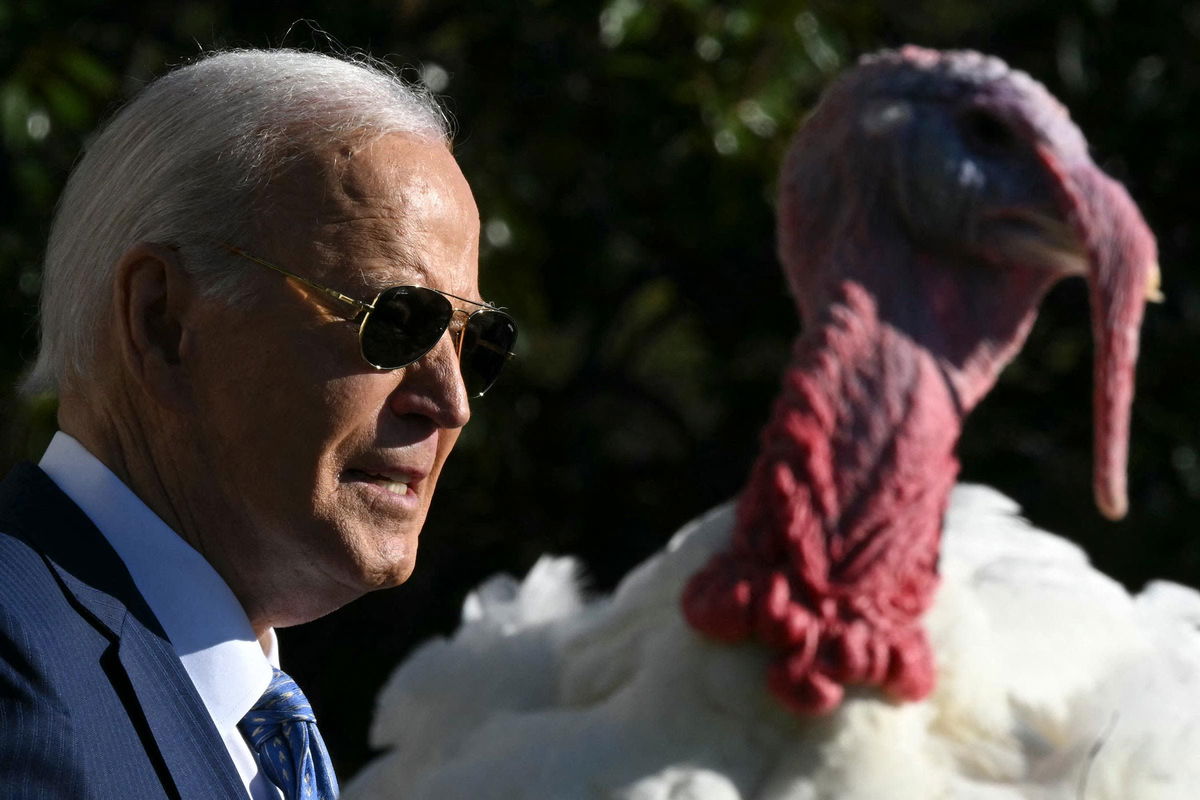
<point x="88" y="72"/>
<point x="67" y="105"/>
<point x="15" y="107"/>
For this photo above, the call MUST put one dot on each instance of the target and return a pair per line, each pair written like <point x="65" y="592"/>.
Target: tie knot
<point x="283" y="732"/>
<point x="281" y="703"/>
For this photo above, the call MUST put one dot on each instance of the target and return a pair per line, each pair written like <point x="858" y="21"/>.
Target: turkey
<point x="854" y="625"/>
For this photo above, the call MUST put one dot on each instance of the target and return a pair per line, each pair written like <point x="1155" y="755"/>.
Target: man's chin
<point x="389" y="568"/>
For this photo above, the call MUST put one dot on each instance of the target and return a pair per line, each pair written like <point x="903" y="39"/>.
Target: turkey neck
<point x="834" y="553"/>
<point x="862" y="436"/>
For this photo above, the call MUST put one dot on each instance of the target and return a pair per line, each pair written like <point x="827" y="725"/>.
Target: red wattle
<point x="834" y="553"/>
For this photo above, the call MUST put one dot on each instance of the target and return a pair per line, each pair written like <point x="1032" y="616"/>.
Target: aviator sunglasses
<point x="403" y="323"/>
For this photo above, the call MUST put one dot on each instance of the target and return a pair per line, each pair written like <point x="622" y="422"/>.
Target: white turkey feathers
<point x="1052" y="681"/>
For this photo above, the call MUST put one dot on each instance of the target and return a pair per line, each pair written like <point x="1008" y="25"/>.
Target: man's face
<point x="320" y="469"/>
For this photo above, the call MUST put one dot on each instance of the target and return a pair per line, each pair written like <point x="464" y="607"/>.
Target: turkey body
<point x="1053" y="682"/>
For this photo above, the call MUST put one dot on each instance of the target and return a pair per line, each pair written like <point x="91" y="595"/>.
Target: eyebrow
<point x="391" y="266"/>
<point x="376" y="280"/>
<point x="400" y="271"/>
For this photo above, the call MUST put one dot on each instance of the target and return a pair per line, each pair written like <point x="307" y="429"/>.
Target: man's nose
<point x="434" y="385"/>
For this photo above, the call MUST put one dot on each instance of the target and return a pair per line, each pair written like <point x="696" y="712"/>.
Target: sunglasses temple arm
<point x="333" y="294"/>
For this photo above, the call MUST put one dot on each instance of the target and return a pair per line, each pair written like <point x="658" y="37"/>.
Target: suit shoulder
<point x="38" y="753"/>
<point x="38" y="620"/>
<point x="26" y="582"/>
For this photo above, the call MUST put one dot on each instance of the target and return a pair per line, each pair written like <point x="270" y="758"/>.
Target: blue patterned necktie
<point x="283" y="732"/>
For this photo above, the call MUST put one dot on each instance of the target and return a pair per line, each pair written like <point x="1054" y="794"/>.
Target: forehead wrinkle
<point x="383" y="252"/>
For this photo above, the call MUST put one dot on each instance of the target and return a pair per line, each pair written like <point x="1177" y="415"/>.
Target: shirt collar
<point x="196" y="608"/>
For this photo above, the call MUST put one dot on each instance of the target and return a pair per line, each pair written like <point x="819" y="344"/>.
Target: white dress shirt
<point x="196" y="608"/>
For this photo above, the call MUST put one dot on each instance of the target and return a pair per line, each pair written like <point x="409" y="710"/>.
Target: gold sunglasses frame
<point x="362" y="309"/>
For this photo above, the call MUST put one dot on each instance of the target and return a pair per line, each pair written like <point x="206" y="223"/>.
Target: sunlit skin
<point x="258" y="432"/>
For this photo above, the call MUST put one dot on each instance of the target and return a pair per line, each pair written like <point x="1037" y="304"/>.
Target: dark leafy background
<point x="623" y="155"/>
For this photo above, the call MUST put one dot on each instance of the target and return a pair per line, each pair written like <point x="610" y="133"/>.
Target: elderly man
<point x="261" y="315"/>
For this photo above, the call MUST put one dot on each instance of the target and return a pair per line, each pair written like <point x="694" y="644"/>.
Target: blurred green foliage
<point x="623" y="157"/>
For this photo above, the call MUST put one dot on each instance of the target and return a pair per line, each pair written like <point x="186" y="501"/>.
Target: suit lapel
<point x="183" y="731"/>
<point x="90" y="571"/>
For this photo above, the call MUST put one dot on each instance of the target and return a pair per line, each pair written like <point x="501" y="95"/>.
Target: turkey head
<point x="925" y="208"/>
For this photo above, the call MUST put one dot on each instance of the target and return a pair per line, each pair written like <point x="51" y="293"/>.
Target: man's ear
<point x="152" y="297"/>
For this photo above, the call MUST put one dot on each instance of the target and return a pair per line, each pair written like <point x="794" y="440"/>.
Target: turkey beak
<point x="1122" y="277"/>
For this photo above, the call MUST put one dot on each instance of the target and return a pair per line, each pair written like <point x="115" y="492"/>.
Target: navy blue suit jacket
<point x="94" y="702"/>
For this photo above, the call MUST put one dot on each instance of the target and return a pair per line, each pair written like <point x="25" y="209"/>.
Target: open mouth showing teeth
<point x="384" y="482"/>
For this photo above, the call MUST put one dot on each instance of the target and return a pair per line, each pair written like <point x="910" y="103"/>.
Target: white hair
<point x="181" y="165"/>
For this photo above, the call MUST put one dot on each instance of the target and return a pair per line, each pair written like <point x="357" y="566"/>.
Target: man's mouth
<point x="394" y="483"/>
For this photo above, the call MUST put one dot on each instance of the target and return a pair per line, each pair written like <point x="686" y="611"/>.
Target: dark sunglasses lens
<point x="488" y="339"/>
<point x="406" y="323"/>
